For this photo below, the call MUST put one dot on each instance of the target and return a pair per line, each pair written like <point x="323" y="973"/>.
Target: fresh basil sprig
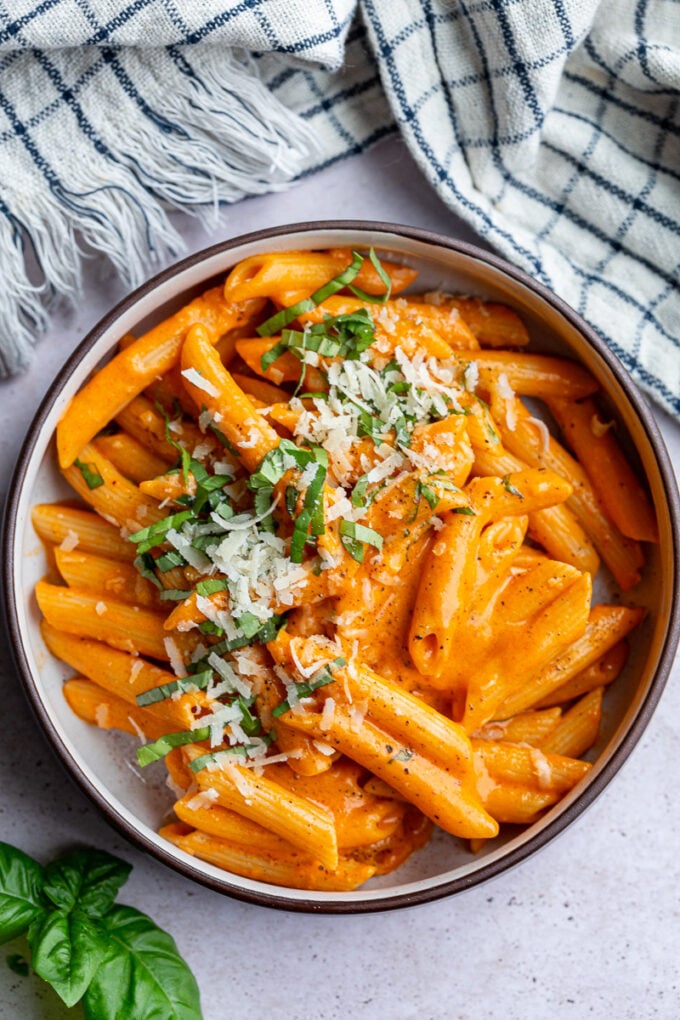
<point x="111" y="957"/>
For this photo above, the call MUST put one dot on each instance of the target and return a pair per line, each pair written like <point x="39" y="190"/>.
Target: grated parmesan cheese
<point x="541" y="767"/>
<point x="203" y="799"/>
<point x="70" y="541"/>
<point x="197" y="380"/>
<point x="507" y="394"/>
<point x="543" y="432"/>
<point x="327" y="715"/>
<point x="136" y="667"/>
<point x="175" y="656"/>
<point x="357" y="715"/>
<point x="101" y="608"/>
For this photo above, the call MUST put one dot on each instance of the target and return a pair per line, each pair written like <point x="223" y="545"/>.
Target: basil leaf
<point x="358" y="496"/>
<point x="21" y="902"/>
<point x="376" y="299"/>
<point x="211" y="586"/>
<point x="184" y="455"/>
<point x="273" y="354"/>
<point x="143" y="974"/>
<point x="146" y="565"/>
<point x="164" y="745"/>
<point x="281" y="319"/>
<point x="248" y="624"/>
<point x="169" y="560"/>
<point x="90" y="474"/>
<point x="88" y="880"/>
<point x="175" y="594"/>
<point x="197" y="681"/>
<point x="220" y="436"/>
<point x="355" y="536"/>
<point x="467" y="511"/>
<point x="299" y="537"/>
<point x="509" y="487"/>
<point x="217" y="757"/>
<point x="262" y="504"/>
<point x="155" y="534"/>
<point x="306" y="687"/>
<point x="66" y="951"/>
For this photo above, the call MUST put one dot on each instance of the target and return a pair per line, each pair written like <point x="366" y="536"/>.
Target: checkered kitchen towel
<point x="550" y="125"/>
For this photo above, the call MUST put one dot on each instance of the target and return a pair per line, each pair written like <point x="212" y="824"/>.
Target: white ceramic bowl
<point x="98" y="760"/>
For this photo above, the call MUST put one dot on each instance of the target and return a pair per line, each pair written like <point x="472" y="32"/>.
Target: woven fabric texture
<point x="552" y="126"/>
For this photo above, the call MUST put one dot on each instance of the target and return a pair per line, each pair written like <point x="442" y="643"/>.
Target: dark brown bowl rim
<point x="342" y="905"/>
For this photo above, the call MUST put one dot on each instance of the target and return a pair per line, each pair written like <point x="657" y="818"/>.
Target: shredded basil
<point x="169" y="560"/>
<point x="509" y="487"/>
<point x="146" y="565"/>
<point x="90" y="474"/>
<point x="197" y="681"/>
<point x="306" y="687"/>
<point x="385" y="278"/>
<point x="217" y="757"/>
<point x="277" y="322"/>
<point x="159" y="748"/>
<point x="211" y="586"/>
<point x="175" y="594"/>
<point x="155" y="534"/>
<point x="355" y="537"/>
<point x="359" y="497"/>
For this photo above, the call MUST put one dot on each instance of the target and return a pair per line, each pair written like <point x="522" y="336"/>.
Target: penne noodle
<point x="135" y="368"/>
<point x="428" y="786"/>
<point x="601" y="673"/>
<point x="444" y="320"/>
<point x="99" y="707"/>
<point x="124" y="674"/>
<point x="303" y="823"/>
<point x="123" y="626"/>
<point x="610" y="474"/>
<point x="535" y="375"/>
<point x="544" y="772"/>
<point x="130" y="457"/>
<point x="450" y="571"/>
<point x="80" y="529"/>
<point x="577" y="730"/>
<point x="238" y="418"/>
<point x="289" y="869"/>
<point x="606" y="627"/>
<point x="115" y="498"/>
<point x="277" y="275"/>
<point x="525" y="728"/>
<point x="622" y="555"/>
<point x="494" y="324"/>
<point x="106" y="577"/>
<point x="259" y="388"/>
<point x="555" y="527"/>
<point x="145" y="422"/>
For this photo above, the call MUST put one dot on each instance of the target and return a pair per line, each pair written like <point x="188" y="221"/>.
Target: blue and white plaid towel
<point x="552" y="126"/>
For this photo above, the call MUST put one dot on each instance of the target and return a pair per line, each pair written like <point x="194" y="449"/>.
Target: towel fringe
<point x="210" y="132"/>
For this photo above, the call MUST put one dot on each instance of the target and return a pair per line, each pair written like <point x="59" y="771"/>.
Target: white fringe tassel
<point x="210" y="132"/>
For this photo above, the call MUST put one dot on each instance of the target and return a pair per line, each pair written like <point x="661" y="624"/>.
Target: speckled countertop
<point x="590" y="927"/>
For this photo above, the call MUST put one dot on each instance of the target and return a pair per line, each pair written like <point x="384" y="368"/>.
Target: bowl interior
<point x="102" y="762"/>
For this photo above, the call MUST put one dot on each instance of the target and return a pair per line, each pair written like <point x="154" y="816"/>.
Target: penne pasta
<point x="135" y="367"/>
<point x="333" y="572"/>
